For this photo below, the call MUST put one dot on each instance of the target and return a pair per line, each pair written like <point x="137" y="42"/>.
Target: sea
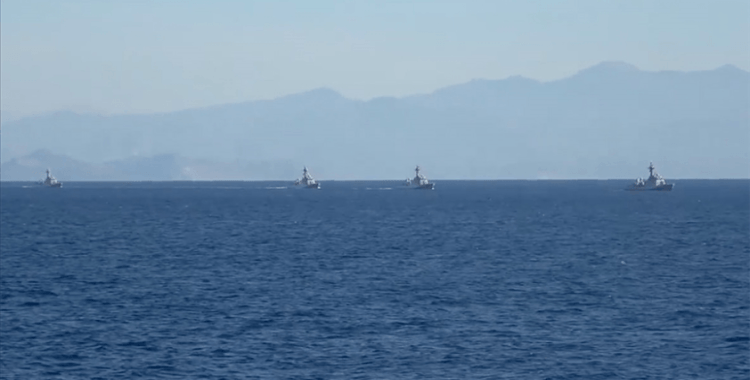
<point x="370" y="280"/>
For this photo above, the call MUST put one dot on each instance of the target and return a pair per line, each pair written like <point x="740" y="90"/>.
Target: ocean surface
<point x="367" y="280"/>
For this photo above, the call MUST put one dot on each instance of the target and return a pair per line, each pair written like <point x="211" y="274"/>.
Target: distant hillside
<point x="607" y="121"/>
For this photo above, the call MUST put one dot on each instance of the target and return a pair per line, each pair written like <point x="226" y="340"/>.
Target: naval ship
<point x="654" y="182"/>
<point x="51" y="181"/>
<point x="307" y="180"/>
<point x="420" y="181"/>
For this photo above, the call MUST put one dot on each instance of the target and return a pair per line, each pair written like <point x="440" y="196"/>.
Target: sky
<point x="146" y="56"/>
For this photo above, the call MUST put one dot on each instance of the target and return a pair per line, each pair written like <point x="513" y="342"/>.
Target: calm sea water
<point x="365" y="280"/>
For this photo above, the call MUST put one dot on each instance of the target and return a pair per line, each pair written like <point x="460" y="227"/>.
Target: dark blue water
<point x="475" y="280"/>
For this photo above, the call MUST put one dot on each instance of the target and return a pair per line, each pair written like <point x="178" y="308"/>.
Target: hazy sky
<point x="162" y="55"/>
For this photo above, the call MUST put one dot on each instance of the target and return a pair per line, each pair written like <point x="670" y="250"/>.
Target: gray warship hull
<point x="655" y="182"/>
<point x="420" y="182"/>
<point x="429" y="186"/>
<point x="51" y="181"/>
<point x="307" y="181"/>
<point x="667" y="187"/>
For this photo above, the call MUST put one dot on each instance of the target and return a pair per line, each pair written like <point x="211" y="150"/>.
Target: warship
<point x="51" y="181"/>
<point x="307" y="180"/>
<point x="419" y="181"/>
<point x="654" y="182"/>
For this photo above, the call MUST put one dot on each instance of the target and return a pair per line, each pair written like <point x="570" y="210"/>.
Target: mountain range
<point x="607" y="121"/>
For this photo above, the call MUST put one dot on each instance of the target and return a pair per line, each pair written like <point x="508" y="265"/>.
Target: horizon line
<point x="380" y="180"/>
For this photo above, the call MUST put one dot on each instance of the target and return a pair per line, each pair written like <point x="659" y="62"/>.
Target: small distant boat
<point x="655" y="182"/>
<point x="307" y="180"/>
<point x="420" y="181"/>
<point x="51" y="181"/>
